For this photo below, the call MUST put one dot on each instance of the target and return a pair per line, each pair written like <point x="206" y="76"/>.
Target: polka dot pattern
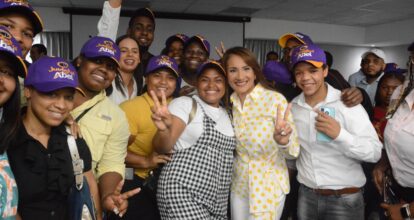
<point x="260" y="171"/>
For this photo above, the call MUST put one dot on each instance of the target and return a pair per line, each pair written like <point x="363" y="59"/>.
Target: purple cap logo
<point x="159" y="62"/>
<point x="51" y="73"/>
<point x="10" y="46"/>
<point x="310" y="54"/>
<point x="7" y="44"/>
<point x="62" y="71"/>
<point x="101" y="47"/>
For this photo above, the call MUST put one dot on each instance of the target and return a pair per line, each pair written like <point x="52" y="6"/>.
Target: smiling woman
<point x="40" y="157"/>
<point x="266" y="136"/>
<point x="195" y="184"/>
<point x="10" y="65"/>
<point x="101" y="121"/>
<point x="160" y="76"/>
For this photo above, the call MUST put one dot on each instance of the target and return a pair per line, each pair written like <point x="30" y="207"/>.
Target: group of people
<point x="180" y="136"/>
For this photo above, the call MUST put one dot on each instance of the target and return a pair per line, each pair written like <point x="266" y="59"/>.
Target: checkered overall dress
<point x="196" y="183"/>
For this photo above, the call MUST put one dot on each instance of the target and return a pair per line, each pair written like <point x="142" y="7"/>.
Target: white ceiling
<point x="362" y="13"/>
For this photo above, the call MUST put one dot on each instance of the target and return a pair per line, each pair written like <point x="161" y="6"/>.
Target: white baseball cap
<point x="377" y="52"/>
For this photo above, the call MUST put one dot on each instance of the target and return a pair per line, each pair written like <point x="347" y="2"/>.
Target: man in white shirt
<point x="332" y="146"/>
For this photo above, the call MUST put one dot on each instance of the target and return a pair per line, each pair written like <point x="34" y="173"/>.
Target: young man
<point x="332" y="146"/>
<point x="351" y="97"/>
<point x="37" y="51"/>
<point x="372" y="68"/>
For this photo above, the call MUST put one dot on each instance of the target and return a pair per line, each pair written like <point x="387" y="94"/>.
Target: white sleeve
<point x="109" y="21"/>
<point x="358" y="138"/>
<point x="181" y="108"/>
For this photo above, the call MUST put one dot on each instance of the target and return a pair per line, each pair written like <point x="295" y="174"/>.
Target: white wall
<point x="346" y="59"/>
<point x="322" y="33"/>
<point x="397" y="54"/>
<point x="333" y="38"/>
<point x="229" y="32"/>
<point x="54" y="19"/>
<point x="394" y="33"/>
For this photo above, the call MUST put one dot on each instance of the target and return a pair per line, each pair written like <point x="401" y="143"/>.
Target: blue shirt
<point x="359" y="79"/>
<point x="8" y="190"/>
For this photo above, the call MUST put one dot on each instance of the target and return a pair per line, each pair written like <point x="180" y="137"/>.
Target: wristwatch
<point x="405" y="211"/>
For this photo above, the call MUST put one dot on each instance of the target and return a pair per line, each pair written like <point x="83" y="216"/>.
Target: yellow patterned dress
<point x="260" y="177"/>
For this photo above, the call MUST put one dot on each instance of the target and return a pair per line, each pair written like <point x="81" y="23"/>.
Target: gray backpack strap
<point x="77" y="162"/>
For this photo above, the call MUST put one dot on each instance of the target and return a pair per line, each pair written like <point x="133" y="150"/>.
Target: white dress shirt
<point x="399" y="141"/>
<point x="109" y="21"/>
<point x="334" y="164"/>
<point x="117" y="95"/>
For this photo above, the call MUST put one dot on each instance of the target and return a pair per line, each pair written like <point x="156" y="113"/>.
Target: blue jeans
<point x="312" y="206"/>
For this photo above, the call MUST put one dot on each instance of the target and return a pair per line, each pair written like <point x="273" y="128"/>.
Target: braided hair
<point x="404" y="91"/>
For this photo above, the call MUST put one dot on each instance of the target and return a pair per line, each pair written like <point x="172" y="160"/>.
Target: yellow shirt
<point x="260" y="172"/>
<point x="105" y="130"/>
<point x="138" y="113"/>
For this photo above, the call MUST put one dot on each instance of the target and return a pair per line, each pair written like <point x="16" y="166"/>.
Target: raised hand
<point x="282" y="128"/>
<point x="160" y="115"/>
<point x="117" y="202"/>
<point x="326" y="124"/>
<point x="220" y="51"/>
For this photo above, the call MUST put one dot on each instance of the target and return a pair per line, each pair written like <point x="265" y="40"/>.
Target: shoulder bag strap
<point x="77" y="162"/>
<point x="193" y="111"/>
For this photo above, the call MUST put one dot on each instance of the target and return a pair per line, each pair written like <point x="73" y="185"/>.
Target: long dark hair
<point x="10" y="120"/>
<point x="404" y="91"/>
<point x="250" y="59"/>
<point x="118" y="77"/>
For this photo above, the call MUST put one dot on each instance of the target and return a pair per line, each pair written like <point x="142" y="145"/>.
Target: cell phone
<point x="320" y="136"/>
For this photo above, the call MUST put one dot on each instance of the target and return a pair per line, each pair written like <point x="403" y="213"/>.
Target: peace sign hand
<point x="282" y="128"/>
<point x="160" y="115"/>
<point x="220" y="51"/>
<point x="117" y="202"/>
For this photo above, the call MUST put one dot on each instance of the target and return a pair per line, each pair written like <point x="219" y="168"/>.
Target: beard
<point x="376" y="75"/>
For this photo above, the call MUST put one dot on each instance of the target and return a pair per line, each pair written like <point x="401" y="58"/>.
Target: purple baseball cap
<point x="211" y="64"/>
<point x="308" y="53"/>
<point x="393" y="68"/>
<point x="51" y="73"/>
<point x="305" y="39"/>
<point x="11" y="48"/>
<point x="201" y="40"/>
<point x="159" y="62"/>
<point x="101" y="47"/>
<point x="180" y="37"/>
<point x="277" y="71"/>
<point x="24" y="8"/>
